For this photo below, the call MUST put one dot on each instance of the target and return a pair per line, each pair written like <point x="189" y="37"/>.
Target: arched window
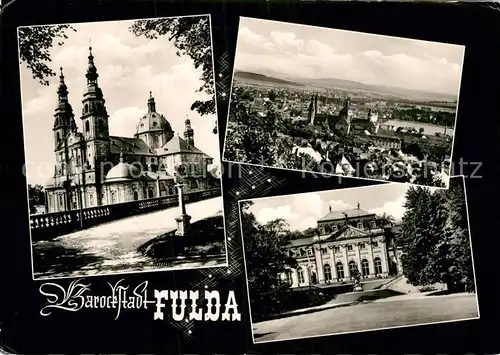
<point x="378" y="266"/>
<point x="113" y="197"/>
<point x="340" y="270"/>
<point x="300" y="275"/>
<point x="61" y="202"/>
<point x="87" y="126"/>
<point x="150" y="193"/>
<point x="136" y="195"/>
<point x="288" y="277"/>
<point x="155" y="141"/>
<point x="328" y="272"/>
<point x="365" y="267"/>
<point x="58" y="137"/>
<point x="353" y="268"/>
<point x="91" y="200"/>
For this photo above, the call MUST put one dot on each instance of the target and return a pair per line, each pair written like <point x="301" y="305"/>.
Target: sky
<point x="301" y="211"/>
<point x="129" y="68"/>
<point x="316" y="52"/>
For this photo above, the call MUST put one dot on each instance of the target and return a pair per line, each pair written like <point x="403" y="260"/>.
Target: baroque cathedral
<point x="94" y="168"/>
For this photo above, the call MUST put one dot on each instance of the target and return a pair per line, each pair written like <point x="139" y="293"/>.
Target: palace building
<point x="347" y="241"/>
<point x="94" y="168"/>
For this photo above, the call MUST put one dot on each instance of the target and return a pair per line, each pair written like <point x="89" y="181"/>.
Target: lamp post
<point x="183" y="221"/>
<point x="75" y="186"/>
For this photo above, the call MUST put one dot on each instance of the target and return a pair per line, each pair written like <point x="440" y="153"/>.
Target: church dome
<point x="123" y="171"/>
<point x="152" y="120"/>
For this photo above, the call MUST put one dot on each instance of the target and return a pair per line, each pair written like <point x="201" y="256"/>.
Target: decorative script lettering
<point x="190" y="305"/>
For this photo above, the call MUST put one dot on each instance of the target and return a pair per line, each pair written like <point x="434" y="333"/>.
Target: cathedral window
<point x="58" y="137"/>
<point x="87" y="126"/>
<point x="91" y="200"/>
<point x="113" y="197"/>
<point x="136" y="195"/>
<point x="349" y="247"/>
<point x="86" y="108"/>
<point x="362" y="246"/>
<point x="150" y="193"/>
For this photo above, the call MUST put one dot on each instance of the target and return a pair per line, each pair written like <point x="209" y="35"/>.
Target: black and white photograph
<point x="358" y="259"/>
<point x="343" y="103"/>
<point x="121" y="145"/>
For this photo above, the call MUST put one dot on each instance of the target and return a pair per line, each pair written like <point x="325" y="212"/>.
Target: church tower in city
<point x="188" y="132"/>
<point x="64" y="124"/>
<point x="95" y="128"/>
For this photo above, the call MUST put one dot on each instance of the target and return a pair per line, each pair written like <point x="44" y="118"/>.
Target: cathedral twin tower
<point x="82" y="158"/>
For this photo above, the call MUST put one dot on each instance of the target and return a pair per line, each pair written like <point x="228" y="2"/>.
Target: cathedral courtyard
<point x="405" y="310"/>
<point x="113" y="247"/>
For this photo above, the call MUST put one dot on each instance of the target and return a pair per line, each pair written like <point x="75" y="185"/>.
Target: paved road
<point x="399" y="312"/>
<point x="112" y="247"/>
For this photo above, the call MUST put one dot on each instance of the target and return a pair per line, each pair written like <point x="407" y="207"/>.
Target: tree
<point x="385" y="220"/>
<point x="422" y="227"/>
<point x="266" y="258"/>
<point x="435" y="239"/>
<point x="191" y="36"/>
<point x="34" y="48"/>
<point x="36" y="197"/>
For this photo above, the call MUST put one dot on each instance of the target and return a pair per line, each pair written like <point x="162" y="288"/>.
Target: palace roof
<point x="338" y="215"/>
<point x="346" y="232"/>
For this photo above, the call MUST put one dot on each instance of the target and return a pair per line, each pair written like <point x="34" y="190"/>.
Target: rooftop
<point x="341" y="214"/>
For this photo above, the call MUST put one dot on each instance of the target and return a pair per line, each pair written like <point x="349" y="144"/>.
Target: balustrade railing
<point x="51" y="225"/>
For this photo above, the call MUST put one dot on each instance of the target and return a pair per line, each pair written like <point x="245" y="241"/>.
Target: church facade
<point x="347" y="242"/>
<point x="94" y="168"/>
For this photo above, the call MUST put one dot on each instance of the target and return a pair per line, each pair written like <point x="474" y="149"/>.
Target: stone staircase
<point x="400" y="284"/>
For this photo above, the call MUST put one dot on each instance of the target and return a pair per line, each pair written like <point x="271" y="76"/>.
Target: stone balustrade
<point x="51" y="225"/>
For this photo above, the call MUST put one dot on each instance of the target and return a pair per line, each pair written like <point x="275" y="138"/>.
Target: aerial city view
<point x="380" y="107"/>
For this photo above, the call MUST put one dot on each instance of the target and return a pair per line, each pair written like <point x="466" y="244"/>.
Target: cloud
<point x="287" y="39"/>
<point x="270" y="214"/>
<point x="339" y="205"/>
<point x="325" y="53"/>
<point x="394" y="208"/>
<point x="124" y="121"/>
<point x="247" y="35"/>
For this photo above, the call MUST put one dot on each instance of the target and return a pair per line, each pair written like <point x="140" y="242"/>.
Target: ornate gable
<point x="348" y="233"/>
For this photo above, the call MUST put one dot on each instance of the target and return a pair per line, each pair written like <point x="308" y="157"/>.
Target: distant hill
<point x="346" y="85"/>
<point x="263" y="78"/>
<point x="334" y="83"/>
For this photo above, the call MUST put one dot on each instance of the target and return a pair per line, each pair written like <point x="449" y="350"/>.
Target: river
<point x="430" y="129"/>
